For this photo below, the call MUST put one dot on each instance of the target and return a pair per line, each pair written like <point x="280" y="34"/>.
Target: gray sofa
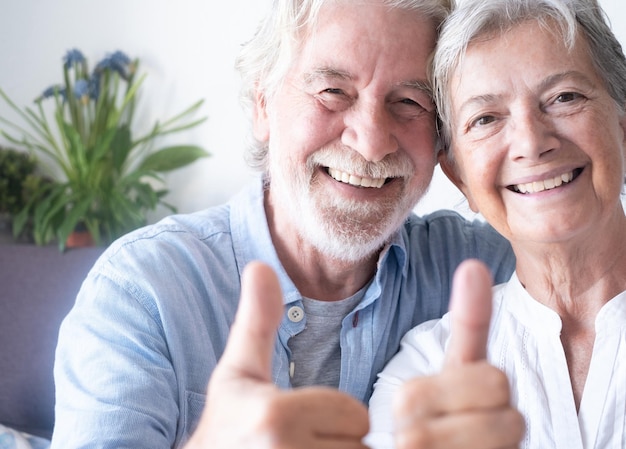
<point x="38" y="286"/>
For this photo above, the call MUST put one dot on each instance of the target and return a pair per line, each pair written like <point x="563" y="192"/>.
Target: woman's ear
<point x="622" y="122"/>
<point x="260" y="121"/>
<point x="452" y="170"/>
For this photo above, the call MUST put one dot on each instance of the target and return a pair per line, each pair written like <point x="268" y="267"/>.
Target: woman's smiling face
<point x="538" y="143"/>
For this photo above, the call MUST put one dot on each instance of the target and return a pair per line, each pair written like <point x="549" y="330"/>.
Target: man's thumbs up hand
<point x="244" y="409"/>
<point x="248" y="353"/>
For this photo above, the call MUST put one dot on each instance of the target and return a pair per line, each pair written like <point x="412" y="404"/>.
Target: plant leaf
<point x="171" y="158"/>
<point x="120" y="146"/>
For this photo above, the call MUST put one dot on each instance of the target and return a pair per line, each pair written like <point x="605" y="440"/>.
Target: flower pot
<point x="79" y="239"/>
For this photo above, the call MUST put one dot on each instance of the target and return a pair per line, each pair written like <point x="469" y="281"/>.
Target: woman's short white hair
<point x="475" y="19"/>
<point x="265" y="59"/>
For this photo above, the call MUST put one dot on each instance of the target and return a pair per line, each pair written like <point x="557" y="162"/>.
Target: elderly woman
<point x="532" y="95"/>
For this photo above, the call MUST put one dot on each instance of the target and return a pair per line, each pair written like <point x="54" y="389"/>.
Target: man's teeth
<point x="355" y="180"/>
<point x="546" y="184"/>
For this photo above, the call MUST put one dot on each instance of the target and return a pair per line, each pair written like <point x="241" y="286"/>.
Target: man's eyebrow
<point x="331" y="73"/>
<point x="422" y="85"/>
<point x="326" y="73"/>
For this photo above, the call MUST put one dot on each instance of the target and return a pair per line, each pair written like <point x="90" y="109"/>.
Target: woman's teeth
<point x="355" y="180"/>
<point x="546" y="184"/>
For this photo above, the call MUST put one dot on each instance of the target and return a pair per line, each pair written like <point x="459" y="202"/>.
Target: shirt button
<point x="295" y="314"/>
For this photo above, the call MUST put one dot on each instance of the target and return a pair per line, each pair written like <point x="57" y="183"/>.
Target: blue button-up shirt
<point x="152" y="318"/>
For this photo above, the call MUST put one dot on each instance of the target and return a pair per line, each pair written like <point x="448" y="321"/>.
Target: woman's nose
<point x="533" y="135"/>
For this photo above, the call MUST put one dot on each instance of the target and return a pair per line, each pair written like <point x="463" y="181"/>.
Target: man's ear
<point x="452" y="171"/>
<point x="260" y="120"/>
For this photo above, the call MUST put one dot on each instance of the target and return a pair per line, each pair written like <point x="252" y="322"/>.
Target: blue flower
<point x="120" y="58"/>
<point x="94" y="86"/>
<point x="81" y="90"/>
<point x="51" y="91"/>
<point x="118" y="62"/>
<point x="73" y="56"/>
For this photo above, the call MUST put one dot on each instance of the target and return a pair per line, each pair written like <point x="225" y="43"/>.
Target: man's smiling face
<point x="351" y="130"/>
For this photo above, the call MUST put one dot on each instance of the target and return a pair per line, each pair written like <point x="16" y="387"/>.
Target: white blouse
<point x="524" y="342"/>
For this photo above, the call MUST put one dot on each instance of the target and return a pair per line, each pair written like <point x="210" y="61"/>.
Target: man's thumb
<point x="470" y="310"/>
<point x="250" y="344"/>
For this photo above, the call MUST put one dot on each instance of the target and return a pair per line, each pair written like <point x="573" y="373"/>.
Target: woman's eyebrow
<point x="546" y="83"/>
<point x="564" y="76"/>
<point x="478" y="101"/>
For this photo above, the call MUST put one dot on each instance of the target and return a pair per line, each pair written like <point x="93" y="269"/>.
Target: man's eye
<point x="334" y="99"/>
<point x="417" y="104"/>
<point x="411" y="102"/>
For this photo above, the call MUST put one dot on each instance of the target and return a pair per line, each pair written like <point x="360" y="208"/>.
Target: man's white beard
<point x="340" y="228"/>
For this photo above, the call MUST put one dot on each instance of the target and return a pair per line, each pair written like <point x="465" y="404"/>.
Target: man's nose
<point x="369" y="130"/>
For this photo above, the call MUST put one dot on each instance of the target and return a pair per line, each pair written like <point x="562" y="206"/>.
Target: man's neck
<point x="316" y="275"/>
<point x="319" y="277"/>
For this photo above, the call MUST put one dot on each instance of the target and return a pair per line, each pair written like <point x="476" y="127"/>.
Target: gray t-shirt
<point x="316" y="351"/>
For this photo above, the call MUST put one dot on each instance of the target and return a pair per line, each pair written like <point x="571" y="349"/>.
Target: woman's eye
<point x="484" y="120"/>
<point x="332" y="90"/>
<point x="566" y="97"/>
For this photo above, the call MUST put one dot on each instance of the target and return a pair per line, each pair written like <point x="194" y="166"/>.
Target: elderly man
<point x="346" y="143"/>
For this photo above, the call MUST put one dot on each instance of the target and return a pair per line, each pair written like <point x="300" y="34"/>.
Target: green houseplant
<point x="19" y="179"/>
<point x="105" y="178"/>
<point x="15" y="167"/>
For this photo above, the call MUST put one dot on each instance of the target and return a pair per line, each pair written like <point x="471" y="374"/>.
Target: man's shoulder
<point x="199" y="225"/>
<point x="183" y="242"/>
<point x="211" y="226"/>
<point x="447" y="223"/>
<point x="441" y="240"/>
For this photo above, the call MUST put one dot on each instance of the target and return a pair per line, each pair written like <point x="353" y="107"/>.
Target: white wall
<point x="187" y="48"/>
